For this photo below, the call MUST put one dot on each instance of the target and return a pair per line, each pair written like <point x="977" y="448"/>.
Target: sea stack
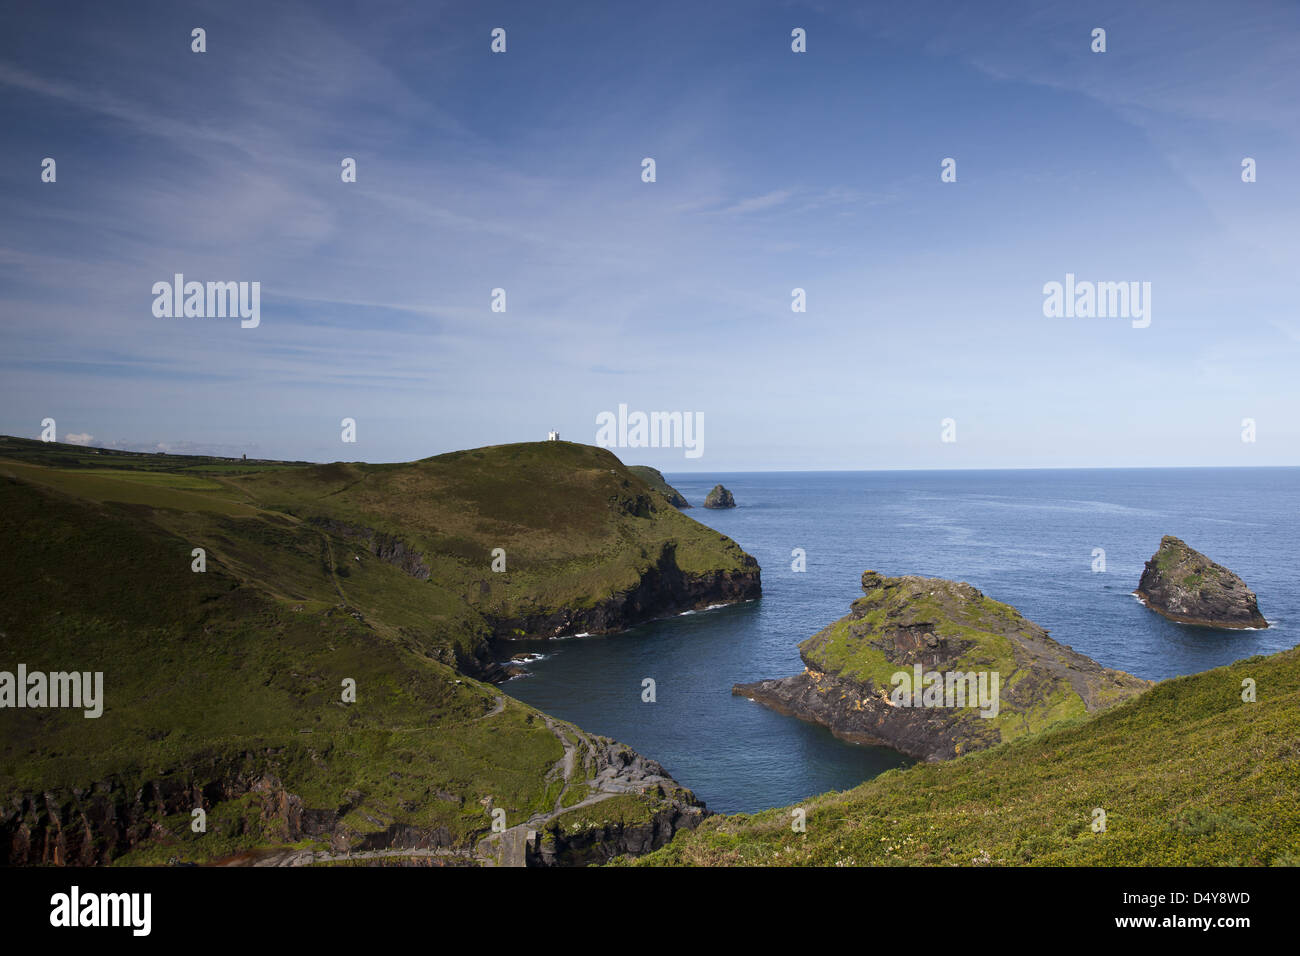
<point x="719" y="497"/>
<point x="1186" y="586"/>
<point x="934" y="669"/>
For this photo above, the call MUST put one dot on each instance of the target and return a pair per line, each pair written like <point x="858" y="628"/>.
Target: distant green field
<point x="143" y="488"/>
<point x="161" y="479"/>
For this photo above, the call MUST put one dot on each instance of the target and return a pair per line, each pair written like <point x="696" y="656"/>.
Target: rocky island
<point x="719" y="497"/>
<point x="1185" y="586"/>
<point x="934" y="669"/>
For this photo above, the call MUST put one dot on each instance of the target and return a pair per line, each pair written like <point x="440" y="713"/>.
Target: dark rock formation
<point x="919" y="627"/>
<point x="97" y="825"/>
<point x="1186" y="586"/>
<point x="556" y="847"/>
<point x="719" y="497"/>
<point x="386" y="547"/>
<point x="584" y="835"/>
<point x="663" y="590"/>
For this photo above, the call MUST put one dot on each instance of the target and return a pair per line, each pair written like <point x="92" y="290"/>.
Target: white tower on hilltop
<point x="552" y="436"/>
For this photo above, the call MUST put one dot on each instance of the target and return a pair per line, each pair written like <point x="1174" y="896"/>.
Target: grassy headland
<point x="224" y="688"/>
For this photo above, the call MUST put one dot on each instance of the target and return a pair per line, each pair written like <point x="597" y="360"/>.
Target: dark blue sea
<point x="1023" y="537"/>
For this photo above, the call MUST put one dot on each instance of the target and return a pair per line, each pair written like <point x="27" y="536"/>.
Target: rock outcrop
<point x="664" y="589"/>
<point x="113" y="817"/>
<point x="719" y="497"/>
<point x="655" y="479"/>
<point x="614" y="820"/>
<point x="934" y="669"/>
<point x="1186" y="586"/>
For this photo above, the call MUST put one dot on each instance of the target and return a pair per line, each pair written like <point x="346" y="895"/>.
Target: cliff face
<point x="974" y="672"/>
<point x="386" y="547"/>
<point x="1186" y="586"/>
<point x="627" y="806"/>
<point x="244" y="795"/>
<point x="97" y="824"/>
<point x="655" y="479"/>
<point x="664" y="589"/>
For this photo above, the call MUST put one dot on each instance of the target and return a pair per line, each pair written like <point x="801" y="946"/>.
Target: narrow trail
<point x="496" y="709"/>
<point x="333" y="566"/>
<point x="509" y="848"/>
<point x="286" y="857"/>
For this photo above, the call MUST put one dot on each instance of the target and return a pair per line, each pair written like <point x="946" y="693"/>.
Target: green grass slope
<point x="575" y="524"/>
<point x="1187" y="773"/>
<point x="224" y="688"/>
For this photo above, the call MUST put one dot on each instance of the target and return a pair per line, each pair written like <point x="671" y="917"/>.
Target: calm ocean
<point x="1023" y="537"/>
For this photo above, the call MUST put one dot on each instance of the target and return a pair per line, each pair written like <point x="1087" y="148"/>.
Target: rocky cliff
<point x="664" y="589"/>
<point x="934" y="669"/>
<point x="625" y="804"/>
<point x="655" y="479"/>
<point x="1186" y="586"/>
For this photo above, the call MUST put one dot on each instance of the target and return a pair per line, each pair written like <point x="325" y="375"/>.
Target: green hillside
<point x="224" y="688"/>
<point x="1187" y="773"/>
<point x="576" y="526"/>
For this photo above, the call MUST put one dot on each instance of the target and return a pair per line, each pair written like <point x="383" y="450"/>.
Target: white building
<point x="553" y="436"/>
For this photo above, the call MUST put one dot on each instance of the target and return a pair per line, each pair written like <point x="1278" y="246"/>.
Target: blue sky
<point x="775" y="170"/>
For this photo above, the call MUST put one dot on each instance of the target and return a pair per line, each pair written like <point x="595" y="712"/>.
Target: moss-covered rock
<point x="935" y="669"/>
<point x="1186" y="586"/>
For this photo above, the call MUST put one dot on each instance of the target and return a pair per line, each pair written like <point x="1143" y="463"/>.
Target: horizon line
<point x="723" y="470"/>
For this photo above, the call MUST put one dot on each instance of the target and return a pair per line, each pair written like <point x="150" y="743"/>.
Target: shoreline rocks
<point x="1185" y="586"/>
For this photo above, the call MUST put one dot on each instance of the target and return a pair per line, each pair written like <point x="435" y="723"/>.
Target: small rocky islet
<point x="1185" y="586"/>
<point x="719" y="497"/>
